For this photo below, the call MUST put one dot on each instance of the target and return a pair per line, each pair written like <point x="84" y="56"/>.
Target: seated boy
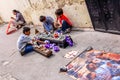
<point x="48" y="23"/>
<point x="64" y="23"/>
<point x="25" y="43"/>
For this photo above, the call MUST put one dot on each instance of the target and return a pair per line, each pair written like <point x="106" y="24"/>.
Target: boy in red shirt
<point x="65" y="24"/>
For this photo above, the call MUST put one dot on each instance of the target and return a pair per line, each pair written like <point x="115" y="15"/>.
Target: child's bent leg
<point x="65" y="26"/>
<point x="28" y="48"/>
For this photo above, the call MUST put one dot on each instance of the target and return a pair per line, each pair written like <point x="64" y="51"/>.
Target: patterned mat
<point x="77" y="67"/>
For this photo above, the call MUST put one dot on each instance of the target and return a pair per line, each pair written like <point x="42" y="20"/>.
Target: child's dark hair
<point x="26" y="29"/>
<point x="59" y="11"/>
<point x="15" y="11"/>
<point x="42" y="18"/>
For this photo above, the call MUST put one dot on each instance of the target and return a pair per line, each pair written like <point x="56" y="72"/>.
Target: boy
<point x="64" y="23"/>
<point x="48" y="23"/>
<point x="24" y="43"/>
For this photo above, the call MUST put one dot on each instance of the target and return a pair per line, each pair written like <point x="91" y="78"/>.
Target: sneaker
<point x="22" y="53"/>
<point x="68" y="30"/>
<point x="64" y="32"/>
<point x="19" y="26"/>
<point x="63" y="69"/>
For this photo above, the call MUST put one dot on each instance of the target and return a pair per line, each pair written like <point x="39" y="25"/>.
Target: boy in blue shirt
<point x="48" y="23"/>
<point x="25" y="43"/>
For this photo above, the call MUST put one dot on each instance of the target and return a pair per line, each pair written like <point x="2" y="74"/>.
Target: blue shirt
<point x="23" y="40"/>
<point x="48" y="24"/>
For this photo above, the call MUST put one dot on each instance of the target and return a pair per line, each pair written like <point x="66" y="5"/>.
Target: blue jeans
<point x="28" y="48"/>
<point x="65" y="25"/>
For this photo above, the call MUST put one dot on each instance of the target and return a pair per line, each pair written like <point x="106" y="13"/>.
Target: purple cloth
<point x="47" y="45"/>
<point x="69" y="40"/>
<point x="52" y="45"/>
<point x="56" y="48"/>
<point x="47" y="41"/>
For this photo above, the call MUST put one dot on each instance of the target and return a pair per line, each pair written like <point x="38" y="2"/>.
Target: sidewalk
<point x="37" y="67"/>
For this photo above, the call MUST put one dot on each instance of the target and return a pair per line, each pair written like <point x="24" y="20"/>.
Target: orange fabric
<point x="8" y="27"/>
<point x="114" y="56"/>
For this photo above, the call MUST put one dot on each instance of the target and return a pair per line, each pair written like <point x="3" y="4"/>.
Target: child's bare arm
<point x="13" y="18"/>
<point x="42" y="42"/>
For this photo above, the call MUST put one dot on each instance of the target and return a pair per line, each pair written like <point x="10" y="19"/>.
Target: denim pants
<point x="28" y="48"/>
<point x="65" y="25"/>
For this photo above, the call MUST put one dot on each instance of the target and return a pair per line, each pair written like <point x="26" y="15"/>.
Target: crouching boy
<point x="63" y="23"/>
<point x="48" y="23"/>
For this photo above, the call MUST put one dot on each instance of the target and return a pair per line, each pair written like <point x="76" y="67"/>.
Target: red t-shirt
<point x="63" y="17"/>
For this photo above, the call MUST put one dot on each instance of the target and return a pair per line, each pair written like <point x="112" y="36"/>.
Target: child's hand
<point x="33" y="40"/>
<point x="45" y="31"/>
<point x="12" y="18"/>
<point x="57" y="25"/>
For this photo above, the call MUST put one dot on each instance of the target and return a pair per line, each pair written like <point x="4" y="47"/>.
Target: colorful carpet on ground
<point x="95" y="65"/>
